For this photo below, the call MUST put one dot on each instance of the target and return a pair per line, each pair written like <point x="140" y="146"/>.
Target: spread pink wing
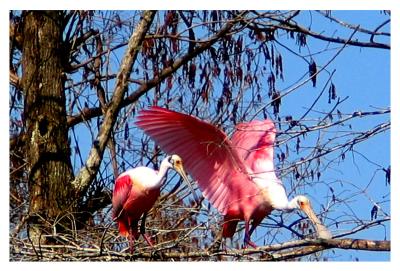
<point x="254" y="143"/>
<point x="207" y="155"/>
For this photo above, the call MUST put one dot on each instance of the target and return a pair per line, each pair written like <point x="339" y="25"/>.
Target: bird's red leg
<point x="143" y="230"/>
<point x="147" y="239"/>
<point x="247" y="234"/>
<point x="133" y="235"/>
<point x="131" y="239"/>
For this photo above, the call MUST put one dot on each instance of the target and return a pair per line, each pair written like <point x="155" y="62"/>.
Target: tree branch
<point x="89" y="113"/>
<point x="275" y="252"/>
<point x="89" y="171"/>
<point x="297" y="28"/>
<point x="286" y="24"/>
<point x="307" y="246"/>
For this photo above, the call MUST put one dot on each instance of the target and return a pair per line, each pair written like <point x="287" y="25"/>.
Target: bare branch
<point x="89" y="171"/>
<point x="297" y="28"/>
<point x="89" y="113"/>
<point x="276" y="252"/>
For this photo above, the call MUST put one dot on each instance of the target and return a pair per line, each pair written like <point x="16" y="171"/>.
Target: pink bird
<point x="135" y="193"/>
<point x="237" y="176"/>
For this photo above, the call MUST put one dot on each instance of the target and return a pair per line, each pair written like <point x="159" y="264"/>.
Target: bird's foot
<point x="131" y="244"/>
<point x="147" y="239"/>
<point x="247" y="243"/>
<point x="324" y="233"/>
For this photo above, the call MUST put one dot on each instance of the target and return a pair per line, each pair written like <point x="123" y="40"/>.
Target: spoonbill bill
<point x="135" y="192"/>
<point x="236" y="175"/>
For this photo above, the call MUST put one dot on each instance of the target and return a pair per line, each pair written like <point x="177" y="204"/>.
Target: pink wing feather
<point x="122" y="189"/>
<point x="207" y="154"/>
<point x="254" y="142"/>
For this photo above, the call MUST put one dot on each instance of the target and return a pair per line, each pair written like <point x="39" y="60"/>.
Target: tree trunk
<point x="51" y="200"/>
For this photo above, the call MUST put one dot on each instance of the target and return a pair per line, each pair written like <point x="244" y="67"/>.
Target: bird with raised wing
<point x="135" y="192"/>
<point x="236" y="175"/>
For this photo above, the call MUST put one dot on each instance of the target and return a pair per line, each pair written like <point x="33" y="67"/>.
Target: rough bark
<point x="47" y="148"/>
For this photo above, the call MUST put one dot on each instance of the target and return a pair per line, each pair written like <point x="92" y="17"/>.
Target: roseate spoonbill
<point x="237" y="176"/>
<point x="135" y="192"/>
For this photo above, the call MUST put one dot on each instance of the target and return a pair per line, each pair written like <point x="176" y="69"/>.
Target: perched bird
<point x="135" y="192"/>
<point x="236" y="175"/>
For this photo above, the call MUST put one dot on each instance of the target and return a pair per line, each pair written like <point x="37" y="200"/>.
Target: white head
<point x="303" y="203"/>
<point x="175" y="162"/>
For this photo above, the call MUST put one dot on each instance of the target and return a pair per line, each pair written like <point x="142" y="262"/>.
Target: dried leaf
<point x="277" y="63"/>
<point x="126" y="131"/>
<point x="220" y="104"/>
<point x="213" y="53"/>
<point x="216" y="71"/>
<point x="312" y="68"/>
<point x="333" y="92"/>
<point x="266" y="53"/>
<point x="301" y="39"/>
<point x="387" y="175"/>
<point x="239" y="73"/>
<point x="259" y="35"/>
<point x="204" y="92"/>
<point x="248" y="79"/>
<point x="272" y="56"/>
<point x="226" y="91"/>
<point x="169" y="83"/>
<point x="234" y="113"/>
<point x="175" y="45"/>
<point x="374" y="212"/>
<point x="276" y="102"/>
<point x="297" y="145"/>
<point x="192" y="74"/>
<point x="239" y="44"/>
<point x="271" y="83"/>
<point x="269" y="35"/>
<point x="265" y="114"/>
<point x="294" y="123"/>
<point x="258" y="97"/>
<point x="118" y="21"/>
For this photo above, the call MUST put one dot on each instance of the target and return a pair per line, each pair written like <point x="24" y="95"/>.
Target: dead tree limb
<point x="89" y="171"/>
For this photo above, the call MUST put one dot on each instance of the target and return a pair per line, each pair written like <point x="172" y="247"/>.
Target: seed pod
<point x="312" y="68"/>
